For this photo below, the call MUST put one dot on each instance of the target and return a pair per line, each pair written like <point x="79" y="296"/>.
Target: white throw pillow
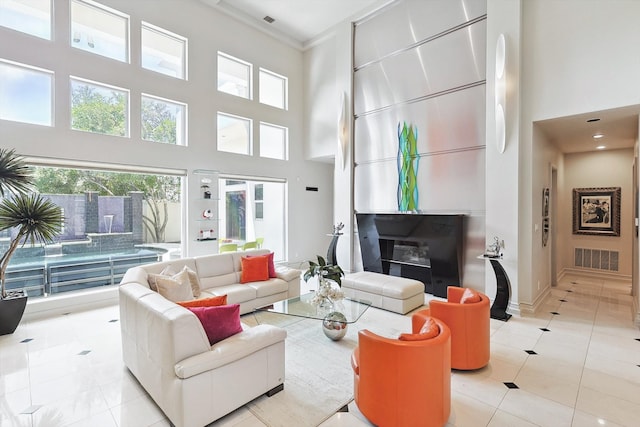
<point x="194" y="280"/>
<point x="152" y="277"/>
<point x="175" y="288"/>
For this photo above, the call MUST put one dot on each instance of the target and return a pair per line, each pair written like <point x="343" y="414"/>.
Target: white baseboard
<point x="532" y="309"/>
<point x="594" y="273"/>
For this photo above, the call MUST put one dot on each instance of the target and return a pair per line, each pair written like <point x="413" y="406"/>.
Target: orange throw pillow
<point x="429" y="330"/>
<point x="272" y="266"/>
<point x="254" y="269"/>
<point x="205" y="302"/>
<point x="470" y="296"/>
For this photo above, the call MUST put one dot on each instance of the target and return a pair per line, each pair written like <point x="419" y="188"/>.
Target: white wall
<point x="545" y="156"/>
<point x="328" y="67"/>
<point x="208" y="31"/>
<point x="579" y="55"/>
<point x="504" y="176"/>
<point x="322" y="96"/>
<point x="173" y="228"/>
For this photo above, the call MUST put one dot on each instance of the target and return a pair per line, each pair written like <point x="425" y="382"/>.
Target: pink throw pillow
<point x="470" y="296"/>
<point x="219" y="322"/>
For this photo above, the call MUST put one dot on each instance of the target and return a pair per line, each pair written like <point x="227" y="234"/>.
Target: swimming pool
<point x="46" y="275"/>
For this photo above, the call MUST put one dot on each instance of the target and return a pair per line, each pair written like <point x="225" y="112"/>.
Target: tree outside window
<point x="98" y="109"/>
<point x="163" y="121"/>
<point x="159" y="191"/>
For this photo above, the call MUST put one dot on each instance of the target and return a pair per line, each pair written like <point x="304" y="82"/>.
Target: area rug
<point x="318" y="375"/>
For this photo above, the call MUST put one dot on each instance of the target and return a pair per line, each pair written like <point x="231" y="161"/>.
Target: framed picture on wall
<point x="596" y="211"/>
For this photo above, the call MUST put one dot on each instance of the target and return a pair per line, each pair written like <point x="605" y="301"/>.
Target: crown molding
<point x="238" y="15"/>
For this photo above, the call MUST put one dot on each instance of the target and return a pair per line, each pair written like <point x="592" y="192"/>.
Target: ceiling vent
<point x="269" y="19"/>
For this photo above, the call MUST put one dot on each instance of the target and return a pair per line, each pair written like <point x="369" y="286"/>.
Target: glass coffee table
<point x="334" y="320"/>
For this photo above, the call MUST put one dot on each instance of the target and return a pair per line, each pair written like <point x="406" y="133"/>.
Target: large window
<point x="112" y="221"/>
<point x="273" y="89"/>
<point x="26" y="94"/>
<point x="274" y="141"/>
<point x="163" y="120"/>
<point x="234" y="76"/>
<point x="29" y="16"/>
<point x="99" y="108"/>
<point x="234" y="134"/>
<point x="163" y="51"/>
<point x="100" y="30"/>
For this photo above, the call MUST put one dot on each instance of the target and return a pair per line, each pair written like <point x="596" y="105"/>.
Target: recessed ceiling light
<point x="595" y="119"/>
<point x="600" y="147"/>
<point x="269" y="19"/>
<point x="598" y="136"/>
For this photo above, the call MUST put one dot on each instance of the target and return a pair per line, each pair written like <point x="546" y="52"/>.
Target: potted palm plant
<point x="31" y="217"/>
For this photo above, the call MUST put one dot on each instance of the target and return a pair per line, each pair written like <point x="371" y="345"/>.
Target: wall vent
<point x="598" y="259"/>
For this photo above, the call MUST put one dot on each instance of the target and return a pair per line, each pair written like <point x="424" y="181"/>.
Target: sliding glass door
<point x="252" y="210"/>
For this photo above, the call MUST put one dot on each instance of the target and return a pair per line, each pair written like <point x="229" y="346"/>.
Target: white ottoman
<point x="392" y="293"/>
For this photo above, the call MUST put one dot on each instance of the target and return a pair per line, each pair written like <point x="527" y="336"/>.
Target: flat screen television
<point x="424" y="247"/>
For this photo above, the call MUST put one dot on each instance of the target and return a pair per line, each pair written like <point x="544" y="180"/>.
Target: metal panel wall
<point x="451" y="122"/>
<point x="411" y="22"/>
<point x="452" y="61"/>
<point x="424" y="63"/>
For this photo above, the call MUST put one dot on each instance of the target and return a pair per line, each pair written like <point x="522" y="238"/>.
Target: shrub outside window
<point x="273" y="89"/>
<point x="163" y="120"/>
<point x="26" y="94"/>
<point x="234" y="76"/>
<point x="273" y="141"/>
<point x="99" y="108"/>
<point x="28" y="16"/>
<point x="163" y="51"/>
<point x="234" y="134"/>
<point x="100" y="30"/>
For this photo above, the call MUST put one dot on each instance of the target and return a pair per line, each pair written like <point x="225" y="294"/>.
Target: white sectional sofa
<point x="219" y="274"/>
<point x="166" y="347"/>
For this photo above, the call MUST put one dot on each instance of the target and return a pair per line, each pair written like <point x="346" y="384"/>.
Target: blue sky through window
<point x="28" y="16"/>
<point x="25" y="94"/>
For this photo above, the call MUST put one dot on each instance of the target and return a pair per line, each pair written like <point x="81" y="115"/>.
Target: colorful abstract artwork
<point x="407" y="168"/>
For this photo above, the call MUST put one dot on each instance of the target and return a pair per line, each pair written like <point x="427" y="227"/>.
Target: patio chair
<point x="228" y="247"/>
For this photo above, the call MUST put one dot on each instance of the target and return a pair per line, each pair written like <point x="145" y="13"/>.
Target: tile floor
<point x="576" y="363"/>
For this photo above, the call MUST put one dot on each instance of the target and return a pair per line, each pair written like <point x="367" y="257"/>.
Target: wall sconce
<point x="501" y="93"/>
<point x="343" y="136"/>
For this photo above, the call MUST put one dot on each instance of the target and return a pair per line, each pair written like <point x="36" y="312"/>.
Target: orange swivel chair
<point x="469" y="323"/>
<point x="393" y="386"/>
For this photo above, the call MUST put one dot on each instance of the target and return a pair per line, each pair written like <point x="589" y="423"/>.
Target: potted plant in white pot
<point x="33" y="219"/>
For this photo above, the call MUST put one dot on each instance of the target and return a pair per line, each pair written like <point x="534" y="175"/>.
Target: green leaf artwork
<point x="407" y="168"/>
